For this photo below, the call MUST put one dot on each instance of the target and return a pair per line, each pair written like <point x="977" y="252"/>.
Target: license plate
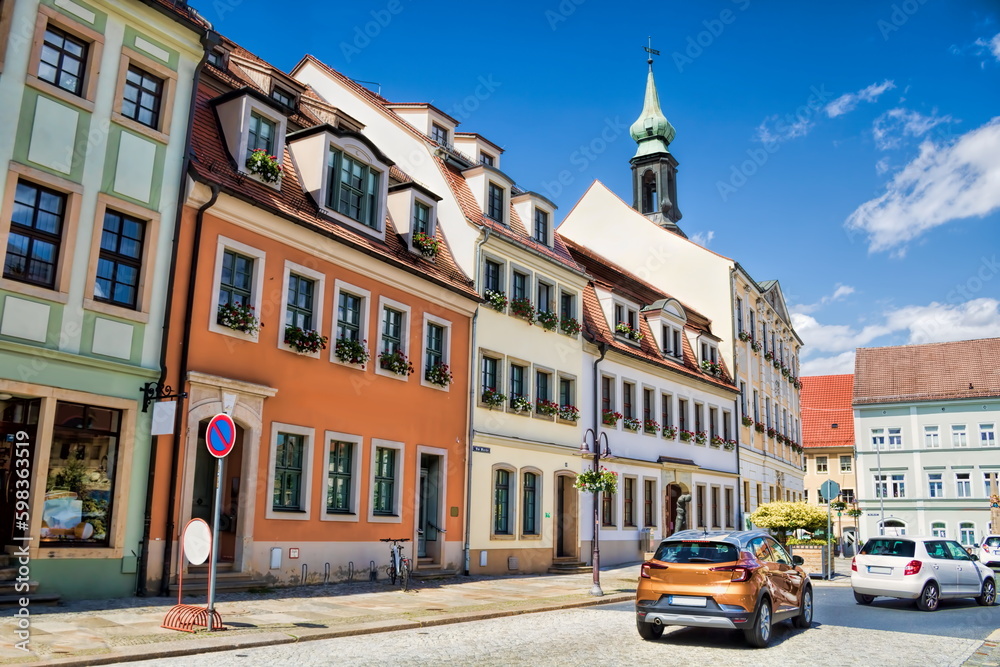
<point x="877" y="569"/>
<point x="683" y="601"/>
<point x="996" y="552"/>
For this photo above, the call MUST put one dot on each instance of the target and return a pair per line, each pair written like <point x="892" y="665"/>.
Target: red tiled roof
<point x="938" y="371"/>
<point x="181" y="10"/>
<point x="516" y="232"/>
<point x="826" y="400"/>
<point x="212" y="163"/>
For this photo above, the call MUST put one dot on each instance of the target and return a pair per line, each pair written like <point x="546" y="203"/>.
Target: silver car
<point x="925" y="569"/>
<point x="990" y="555"/>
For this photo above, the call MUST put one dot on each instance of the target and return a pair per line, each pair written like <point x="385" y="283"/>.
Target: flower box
<point x="597" y="481"/>
<point x="395" y="362"/>
<point x="305" y="341"/>
<point x="238" y="317"/>
<point x="747" y="421"/>
<point x="351" y="351"/>
<point x="626" y="331"/>
<point x="521" y="307"/>
<point x="759" y="427"/>
<point x="520" y="404"/>
<point x="650" y="426"/>
<point x="426" y="244"/>
<point x="745" y="336"/>
<point x="264" y="165"/>
<point x="569" y="413"/>
<point x="755" y="346"/>
<point x="493" y="398"/>
<point x="632" y="424"/>
<point x="669" y="432"/>
<point x="701" y="437"/>
<point x="546" y="407"/>
<point x="771" y="432"/>
<point x="718" y="441"/>
<point x="610" y="417"/>
<point x="439" y="374"/>
<point x="498" y="300"/>
<point x="686" y="436"/>
<point x="712" y="368"/>
<point x="768" y="356"/>
<point x="729" y="445"/>
<point x="569" y="325"/>
<point x="548" y="319"/>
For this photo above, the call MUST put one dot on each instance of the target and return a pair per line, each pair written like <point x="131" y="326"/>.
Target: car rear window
<point x="992" y="541"/>
<point x="697" y="552"/>
<point x="888" y="546"/>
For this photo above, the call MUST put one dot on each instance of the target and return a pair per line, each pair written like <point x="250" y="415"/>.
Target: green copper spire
<point x="652" y="131"/>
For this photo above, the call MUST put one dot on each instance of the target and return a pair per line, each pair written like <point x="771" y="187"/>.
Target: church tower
<point x="654" y="169"/>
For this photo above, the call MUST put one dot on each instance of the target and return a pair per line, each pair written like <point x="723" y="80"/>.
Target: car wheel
<point x="805" y="617"/>
<point x="648" y="631"/>
<point x="759" y="634"/>
<point x="861" y="598"/>
<point x="929" y="597"/>
<point x="989" y="595"/>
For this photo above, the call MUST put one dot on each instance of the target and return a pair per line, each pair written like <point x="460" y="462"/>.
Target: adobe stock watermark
<point x="562" y="12"/>
<point x="585" y="155"/>
<point x="740" y="174"/>
<point x="987" y="270"/>
<point x="22" y="522"/>
<point x="900" y="14"/>
<point x="365" y="34"/>
<point x="696" y="44"/>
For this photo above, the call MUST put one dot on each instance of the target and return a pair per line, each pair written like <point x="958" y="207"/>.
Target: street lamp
<point x="596" y="590"/>
<point x="880" y="490"/>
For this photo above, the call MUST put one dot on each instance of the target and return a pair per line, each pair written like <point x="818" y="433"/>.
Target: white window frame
<point x="354" y="515"/>
<point x="404" y="338"/>
<point x="826" y="464"/>
<point x="308" y="456"/>
<point x="895" y="437"/>
<point x="318" y="300"/>
<point x="358" y="151"/>
<point x="514" y="268"/>
<point x="933" y="484"/>
<point x="987" y="434"/>
<point x="254" y="105"/>
<point x="963" y="487"/>
<point x="445" y="352"/>
<point x="549" y="235"/>
<point x="397" y="496"/>
<point x="560" y="376"/>
<point x="967" y="527"/>
<point x="256" y="293"/>
<point x="878" y="439"/>
<point x="712" y="351"/>
<point x="505" y="204"/>
<point x="553" y="304"/>
<point x="932" y="437"/>
<point x="939" y="530"/>
<point x="850" y="464"/>
<point x="962" y="439"/>
<point x="366" y="300"/>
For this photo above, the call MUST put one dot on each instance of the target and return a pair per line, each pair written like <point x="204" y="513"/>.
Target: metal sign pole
<point x="215" y="544"/>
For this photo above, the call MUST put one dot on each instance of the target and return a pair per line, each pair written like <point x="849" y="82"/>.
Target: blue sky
<point x="850" y="150"/>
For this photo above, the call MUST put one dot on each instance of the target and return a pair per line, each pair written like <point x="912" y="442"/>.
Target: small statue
<point x="681" y="522"/>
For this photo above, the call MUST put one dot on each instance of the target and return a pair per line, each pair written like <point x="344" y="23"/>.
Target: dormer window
<point x="625" y="315"/>
<point x="541" y="226"/>
<point x="439" y="134"/>
<point x="353" y="189"/>
<point x="487" y="159"/>
<point x="709" y="353"/>
<point x="283" y="97"/>
<point x="217" y="59"/>
<point x="421" y="218"/>
<point x="262" y="132"/>
<point x="495" y="202"/>
<point x="672" y="346"/>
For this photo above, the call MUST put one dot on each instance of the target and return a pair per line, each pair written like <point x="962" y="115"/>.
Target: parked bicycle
<point x="399" y="565"/>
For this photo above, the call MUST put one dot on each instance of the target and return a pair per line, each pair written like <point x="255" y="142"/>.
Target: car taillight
<point x="742" y="571"/>
<point x="854" y="564"/>
<point x="913" y="567"/>
<point x="650" y="565"/>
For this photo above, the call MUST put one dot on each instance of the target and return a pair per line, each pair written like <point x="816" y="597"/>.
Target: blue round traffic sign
<point x="221" y="435"/>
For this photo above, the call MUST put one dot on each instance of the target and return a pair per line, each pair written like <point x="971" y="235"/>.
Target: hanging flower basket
<point x="569" y="325"/>
<point x="701" y="437"/>
<point x="623" y="329"/>
<point x="569" y="412"/>
<point x="669" y="432"/>
<point x="747" y="421"/>
<point x="426" y="244"/>
<point x="264" y="165"/>
<point x="855" y="512"/>
<point x="498" y="300"/>
<point x="395" y="362"/>
<point x="771" y="432"/>
<point x="548" y="319"/>
<point x="238" y="317"/>
<point x="520" y="404"/>
<point x="545" y="407"/>
<point x="521" y="307"/>
<point x="838" y="506"/>
<point x="744" y="336"/>
<point x="610" y="417"/>
<point x="759" y="427"/>
<point x="632" y="424"/>
<point x="755" y="346"/>
<point x="776" y="364"/>
<point x="351" y="351"/>
<point x="768" y="356"/>
<point x="493" y="398"/>
<point x="305" y="341"/>
<point x="439" y="374"/>
<point x="597" y="481"/>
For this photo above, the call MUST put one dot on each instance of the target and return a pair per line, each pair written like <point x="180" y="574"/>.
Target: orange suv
<point x="741" y="580"/>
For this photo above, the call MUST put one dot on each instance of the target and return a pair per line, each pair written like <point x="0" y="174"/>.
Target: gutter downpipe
<point x="471" y="407"/>
<point x="208" y="40"/>
<point x="738" y="410"/>
<point x="185" y="349"/>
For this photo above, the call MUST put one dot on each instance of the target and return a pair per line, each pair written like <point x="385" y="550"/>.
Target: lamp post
<point x="880" y="491"/>
<point x="596" y="590"/>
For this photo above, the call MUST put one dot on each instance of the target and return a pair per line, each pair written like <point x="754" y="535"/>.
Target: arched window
<point x="529" y="504"/>
<point x="649" y="199"/>
<point x="938" y="529"/>
<point x="967" y="533"/>
<point x="893" y="527"/>
<point x="501" y="502"/>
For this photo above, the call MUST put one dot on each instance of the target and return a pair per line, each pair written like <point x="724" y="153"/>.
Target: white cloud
<point x="775" y="129"/>
<point x="944" y="183"/>
<point x="848" y="101"/>
<point x="840" y="292"/>
<point x="889" y="128"/>
<point x="995" y="46"/>
<point x="984" y="46"/>
<point x="703" y="239"/>
<point x="882" y="166"/>
<point x="829" y="348"/>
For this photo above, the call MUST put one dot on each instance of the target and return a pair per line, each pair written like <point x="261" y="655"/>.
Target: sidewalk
<point x="95" y="632"/>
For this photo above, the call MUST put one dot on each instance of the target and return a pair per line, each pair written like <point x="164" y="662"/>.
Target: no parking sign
<point x="220" y="436"/>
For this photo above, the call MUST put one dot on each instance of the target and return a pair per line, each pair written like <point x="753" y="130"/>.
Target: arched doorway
<point x="675" y="509"/>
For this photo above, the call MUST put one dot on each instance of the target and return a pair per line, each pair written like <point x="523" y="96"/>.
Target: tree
<point x="783" y="517"/>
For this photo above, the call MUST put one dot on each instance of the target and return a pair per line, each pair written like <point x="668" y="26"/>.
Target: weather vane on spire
<point x="650" y="50"/>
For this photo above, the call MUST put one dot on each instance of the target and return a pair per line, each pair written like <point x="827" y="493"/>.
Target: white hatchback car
<point x="990" y="554"/>
<point x="925" y="569"/>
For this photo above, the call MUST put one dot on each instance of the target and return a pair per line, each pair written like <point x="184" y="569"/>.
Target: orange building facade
<point x="339" y="347"/>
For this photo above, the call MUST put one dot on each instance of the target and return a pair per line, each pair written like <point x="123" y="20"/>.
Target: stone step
<point x="426" y="574"/>
<point x="7" y="573"/>
<point x="10" y="588"/>
<point x="574" y="567"/>
<point x="230" y="582"/>
<point x="11" y="601"/>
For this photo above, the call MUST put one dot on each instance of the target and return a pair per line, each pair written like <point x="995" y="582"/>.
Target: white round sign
<point x="197" y="541"/>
